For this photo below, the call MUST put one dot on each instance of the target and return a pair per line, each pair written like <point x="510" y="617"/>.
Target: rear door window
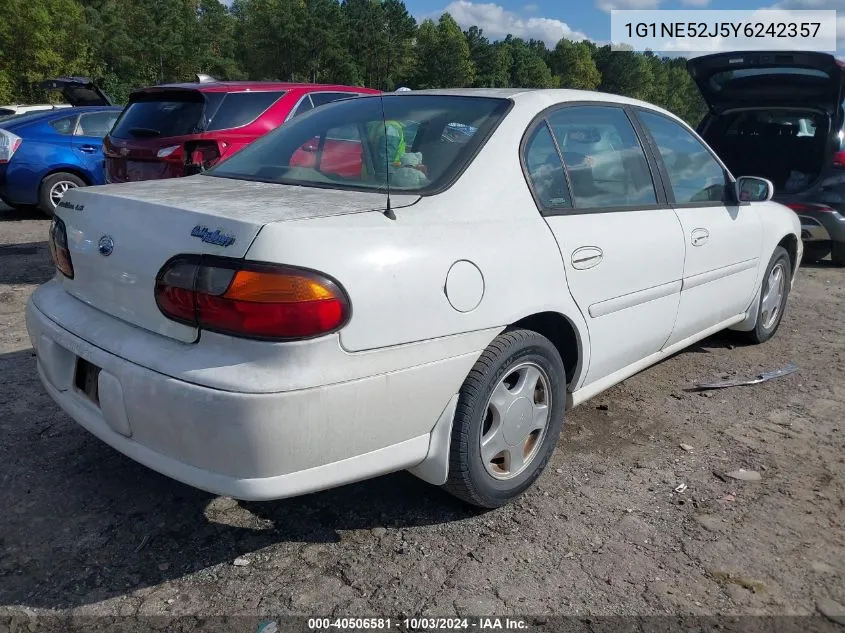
<point x="604" y="159"/>
<point x="694" y="175"/>
<point x="241" y="108"/>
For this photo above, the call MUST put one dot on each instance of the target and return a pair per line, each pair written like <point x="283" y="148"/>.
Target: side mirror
<point x="753" y="189"/>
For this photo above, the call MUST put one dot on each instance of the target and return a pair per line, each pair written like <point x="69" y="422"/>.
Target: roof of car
<point x="538" y="96"/>
<point x="232" y="86"/>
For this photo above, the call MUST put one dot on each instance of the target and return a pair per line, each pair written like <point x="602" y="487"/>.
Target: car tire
<point x="777" y="280"/>
<point x="523" y="417"/>
<point x="837" y="253"/>
<point x="813" y="254"/>
<point x="53" y="187"/>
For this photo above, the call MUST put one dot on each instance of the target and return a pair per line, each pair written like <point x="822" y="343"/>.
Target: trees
<point x="377" y="43"/>
<point x="573" y="63"/>
<point x="442" y="55"/>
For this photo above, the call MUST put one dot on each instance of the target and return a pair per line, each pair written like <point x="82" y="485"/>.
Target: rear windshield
<point x="720" y="80"/>
<point x="161" y="115"/>
<point x="414" y="143"/>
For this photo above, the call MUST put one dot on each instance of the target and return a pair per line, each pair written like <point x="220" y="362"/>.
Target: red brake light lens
<point x="839" y="159"/>
<point x="250" y="299"/>
<point x="59" y="249"/>
<point x="798" y="207"/>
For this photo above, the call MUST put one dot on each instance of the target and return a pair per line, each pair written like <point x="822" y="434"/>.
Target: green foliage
<point x="129" y="44"/>
<point x="573" y="62"/>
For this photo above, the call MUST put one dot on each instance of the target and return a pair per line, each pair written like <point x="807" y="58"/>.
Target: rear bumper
<point x="18" y="186"/>
<point x="249" y="446"/>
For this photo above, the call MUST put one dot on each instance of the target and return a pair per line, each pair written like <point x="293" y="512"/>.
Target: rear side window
<point x="304" y="106"/>
<point x="65" y="125"/>
<point x="695" y="176"/>
<point x="322" y="98"/>
<point x="604" y="159"/>
<point x="240" y="108"/>
<point x="96" y="124"/>
<point x="545" y="171"/>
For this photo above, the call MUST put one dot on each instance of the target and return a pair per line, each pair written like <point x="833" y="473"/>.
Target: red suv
<point x="180" y="129"/>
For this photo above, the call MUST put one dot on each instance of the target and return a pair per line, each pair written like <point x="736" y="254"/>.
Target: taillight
<point x="250" y="299"/>
<point x="201" y="155"/>
<point x="839" y="159"/>
<point x="9" y="144"/>
<point x="59" y="249"/>
<point x="799" y="207"/>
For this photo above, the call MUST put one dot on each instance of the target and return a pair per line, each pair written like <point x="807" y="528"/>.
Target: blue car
<point x="43" y="154"/>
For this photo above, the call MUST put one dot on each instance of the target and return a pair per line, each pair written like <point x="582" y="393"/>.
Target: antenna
<point x="387" y="212"/>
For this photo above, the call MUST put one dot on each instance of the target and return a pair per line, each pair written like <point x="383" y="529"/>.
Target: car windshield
<point x="413" y="143"/>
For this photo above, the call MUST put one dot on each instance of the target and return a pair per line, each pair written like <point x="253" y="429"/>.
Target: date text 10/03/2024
<point x="417" y="624"/>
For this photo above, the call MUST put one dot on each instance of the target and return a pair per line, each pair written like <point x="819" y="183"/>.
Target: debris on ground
<point x="379" y="531"/>
<point x="768" y="375"/>
<point x="738" y="475"/>
<point x="687" y="447"/>
<point x="724" y="577"/>
<point x="832" y="610"/>
<point x="681" y="488"/>
<point x="241" y="561"/>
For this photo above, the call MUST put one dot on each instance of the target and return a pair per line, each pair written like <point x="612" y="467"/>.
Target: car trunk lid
<point x="120" y="236"/>
<point x="767" y="79"/>
<point x="77" y="91"/>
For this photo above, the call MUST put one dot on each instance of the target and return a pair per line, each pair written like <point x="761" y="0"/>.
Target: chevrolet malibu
<point x="277" y="325"/>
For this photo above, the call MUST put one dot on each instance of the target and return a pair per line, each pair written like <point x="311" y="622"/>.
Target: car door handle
<point x="88" y="149"/>
<point x="586" y="257"/>
<point x="699" y="237"/>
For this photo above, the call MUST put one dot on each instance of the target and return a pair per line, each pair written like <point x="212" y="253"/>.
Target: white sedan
<point x="343" y="299"/>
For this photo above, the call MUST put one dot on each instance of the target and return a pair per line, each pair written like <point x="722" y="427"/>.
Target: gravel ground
<point x="85" y="531"/>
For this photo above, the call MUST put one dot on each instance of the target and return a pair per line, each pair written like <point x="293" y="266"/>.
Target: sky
<point x="549" y="20"/>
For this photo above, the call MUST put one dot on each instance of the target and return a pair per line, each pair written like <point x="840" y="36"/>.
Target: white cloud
<point x="699" y="4"/>
<point x="608" y="5"/>
<point x="497" y="22"/>
<point x="809" y="5"/>
<point x="531" y="8"/>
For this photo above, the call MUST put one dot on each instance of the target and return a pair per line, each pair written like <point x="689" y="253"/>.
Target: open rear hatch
<point x="77" y="91"/>
<point x="120" y="236"/>
<point x="768" y="79"/>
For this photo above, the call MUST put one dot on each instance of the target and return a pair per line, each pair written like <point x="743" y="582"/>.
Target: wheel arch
<point x="789" y="242"/>
<point x="67" y="169"/>
<point x="563" y="334"/>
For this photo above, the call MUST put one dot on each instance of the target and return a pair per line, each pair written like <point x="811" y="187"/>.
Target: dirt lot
<point x="84" y="530"/>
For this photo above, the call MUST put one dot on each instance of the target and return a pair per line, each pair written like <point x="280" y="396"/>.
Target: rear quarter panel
<point x="43" y="151"/>
<point x="396" y="271"/>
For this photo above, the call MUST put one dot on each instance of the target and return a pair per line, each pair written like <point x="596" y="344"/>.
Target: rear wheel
<point x="53" y="189"/>
<point x="508" y="420"/>
<point x="837" y="253"/>
<point x="814" y="252"/>
<point x="773" y="295"/>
